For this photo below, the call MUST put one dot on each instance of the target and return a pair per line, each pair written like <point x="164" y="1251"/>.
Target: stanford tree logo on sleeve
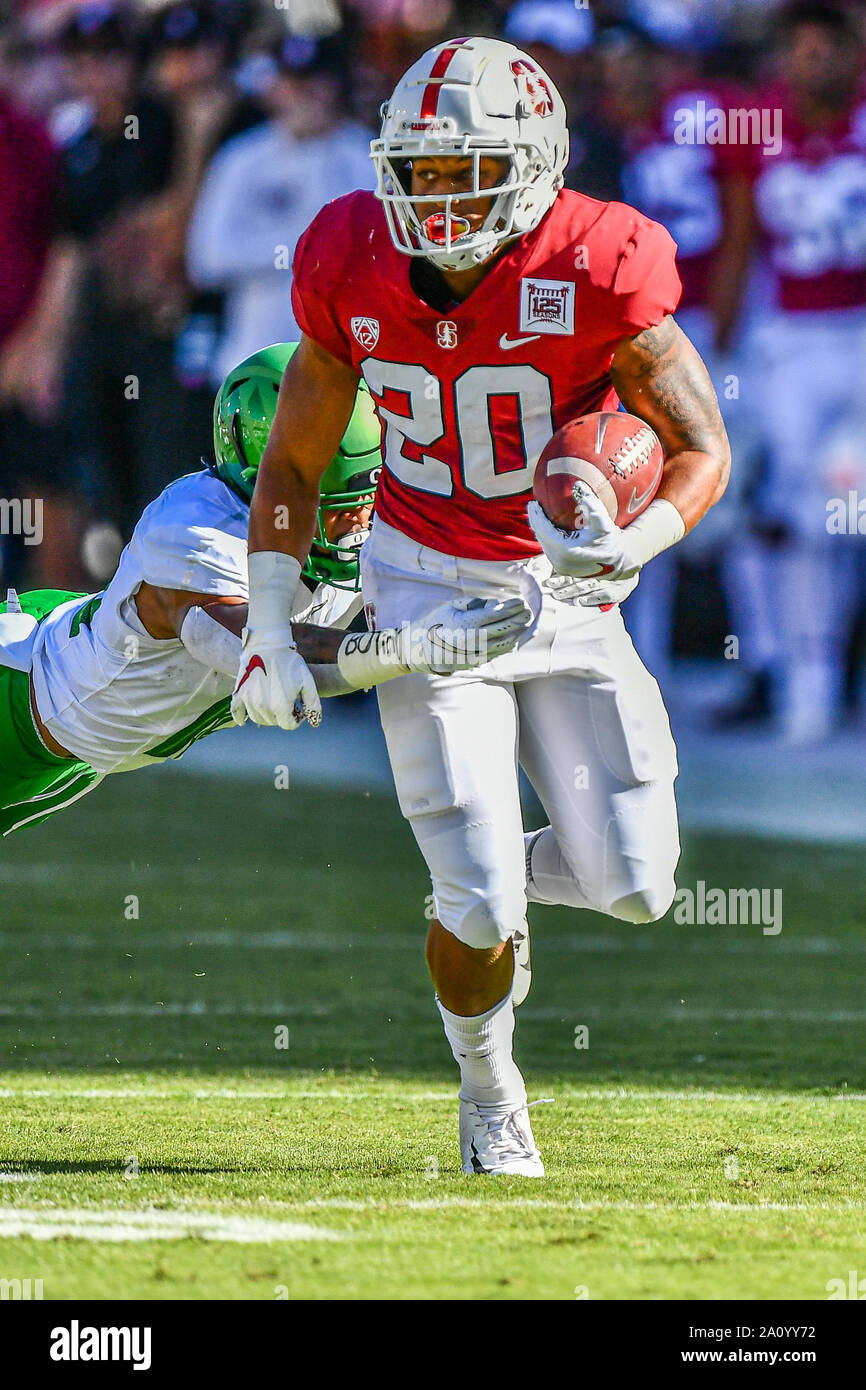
<point x="366" y="332"/>
<point x="547" y="306"/>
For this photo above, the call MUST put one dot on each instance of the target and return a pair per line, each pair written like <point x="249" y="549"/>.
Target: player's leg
<point x="452" y="743"/>
<point x="34" y="783"/>
<point x="597" y="746"/>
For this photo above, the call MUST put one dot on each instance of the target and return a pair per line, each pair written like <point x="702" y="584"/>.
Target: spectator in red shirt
<point x="33" y="441"/>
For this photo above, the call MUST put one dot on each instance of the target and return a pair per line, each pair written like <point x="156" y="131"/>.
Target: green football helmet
<point x="244" y="411"/>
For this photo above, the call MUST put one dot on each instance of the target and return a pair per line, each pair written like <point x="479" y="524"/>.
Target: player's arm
<point x="316" y="399"/>
<point x="453" y="637"/>
<point x="660" y="377"/>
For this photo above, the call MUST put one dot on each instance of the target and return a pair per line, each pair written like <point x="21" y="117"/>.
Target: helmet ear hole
<point x="237" y="438"/>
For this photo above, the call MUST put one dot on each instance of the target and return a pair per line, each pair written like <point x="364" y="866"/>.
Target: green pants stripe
<point x="34" y="783"/>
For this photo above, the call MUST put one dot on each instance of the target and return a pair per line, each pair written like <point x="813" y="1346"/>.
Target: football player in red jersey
<point x="485" y="305"/>
<point x="807" y="357"/>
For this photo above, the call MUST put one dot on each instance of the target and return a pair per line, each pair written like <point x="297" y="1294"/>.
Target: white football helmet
<point x="478" y="97"/>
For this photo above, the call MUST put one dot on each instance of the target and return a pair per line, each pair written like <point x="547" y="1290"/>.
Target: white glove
<point x="469" y="632"/>
<point x="601" y="548"/>
<point x="591" y="593"/>
<point x="274" y="685"/>
<point x="598" y="548"/>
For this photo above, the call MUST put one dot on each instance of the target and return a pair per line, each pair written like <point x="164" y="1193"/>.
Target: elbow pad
<point x="210" y="643"/>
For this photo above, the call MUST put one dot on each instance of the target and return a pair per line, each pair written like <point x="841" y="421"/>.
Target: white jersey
<point x="120" y="699"/>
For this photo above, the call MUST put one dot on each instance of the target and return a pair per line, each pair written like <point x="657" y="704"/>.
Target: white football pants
<point x="573" y="705"/>
<point x="811" y="370"/>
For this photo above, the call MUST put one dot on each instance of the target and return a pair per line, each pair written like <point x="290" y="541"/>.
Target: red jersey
<point x="469" y="397"/>
<point x="810" y="202"/>
<point x="27" y="177"/>
<point x="678" y="181"/>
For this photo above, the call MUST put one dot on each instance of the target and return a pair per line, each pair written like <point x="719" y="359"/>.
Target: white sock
<point x="482" y="1050"/>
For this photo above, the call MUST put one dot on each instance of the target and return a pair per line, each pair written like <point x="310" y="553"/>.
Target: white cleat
<point x="498" y="1139"/>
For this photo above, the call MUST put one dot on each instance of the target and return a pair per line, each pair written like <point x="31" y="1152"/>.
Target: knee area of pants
<point x="644" y="905"/>
<point x="482" y="925"/>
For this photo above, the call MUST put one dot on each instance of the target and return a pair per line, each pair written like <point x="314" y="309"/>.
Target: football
<point x="615" y="454"/>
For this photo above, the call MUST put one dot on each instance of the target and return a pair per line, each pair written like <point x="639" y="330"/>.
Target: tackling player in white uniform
<point x="485" y="305"/>
<point x="110" y="682"/>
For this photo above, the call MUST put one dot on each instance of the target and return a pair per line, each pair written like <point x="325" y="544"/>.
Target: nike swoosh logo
<point x="255" y="664"/>
<point x="505" y="342"/>
<point x="634" y="501"/>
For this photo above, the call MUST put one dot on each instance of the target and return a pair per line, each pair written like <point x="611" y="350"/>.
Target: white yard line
<point x="197" y="1009"/>
<point x="175" y="941"/>
<point x="709" y="941"/>
<point x="148" y="1093"/>
<point x="500" y="1204"/>
<point x="685" y="1014"/>
<point x="282" y="1010"/>
<point x="119" y="1224"/>
<point x="288" y="1093"/>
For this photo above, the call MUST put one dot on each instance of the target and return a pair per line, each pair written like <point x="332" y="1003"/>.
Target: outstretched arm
<point x="453" y="637"/>
<point x="316" y="398"/>
<point x="317" y="394"/>
<point x="211" y="628"/>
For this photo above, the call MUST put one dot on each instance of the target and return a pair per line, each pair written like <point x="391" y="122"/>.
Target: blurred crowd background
<point x="158" y="163"/>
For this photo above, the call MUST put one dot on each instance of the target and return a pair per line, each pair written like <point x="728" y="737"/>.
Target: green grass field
<point x="157" y="1143"/>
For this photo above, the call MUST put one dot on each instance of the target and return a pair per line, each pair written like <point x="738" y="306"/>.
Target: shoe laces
<point x="505" y="1135"/>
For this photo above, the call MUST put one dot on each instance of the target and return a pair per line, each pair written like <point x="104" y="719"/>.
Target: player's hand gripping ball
<point x="595" y="476"/>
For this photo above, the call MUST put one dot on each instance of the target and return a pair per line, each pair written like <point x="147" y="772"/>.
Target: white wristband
<point x="655" y="530"/>
<point x="273" y="581"/>
<point x="368" y="658"/>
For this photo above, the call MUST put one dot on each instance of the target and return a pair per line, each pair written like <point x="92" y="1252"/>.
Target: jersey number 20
<point x="424" y="424"/>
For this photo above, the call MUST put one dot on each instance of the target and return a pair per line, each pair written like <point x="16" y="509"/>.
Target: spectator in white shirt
<point x="263" y="188"/>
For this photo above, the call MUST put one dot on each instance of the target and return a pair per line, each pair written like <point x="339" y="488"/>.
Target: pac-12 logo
<point x="366" y="332"/>
<point x="446" y="333"/>
<point x="547" y="306"/>
<point x="537" y="98"/>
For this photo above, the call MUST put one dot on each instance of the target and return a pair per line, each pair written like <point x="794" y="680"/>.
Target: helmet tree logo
<point x="536" y="93"/>
<point x="366" y="332"/>
<point x="446" y="333"/>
